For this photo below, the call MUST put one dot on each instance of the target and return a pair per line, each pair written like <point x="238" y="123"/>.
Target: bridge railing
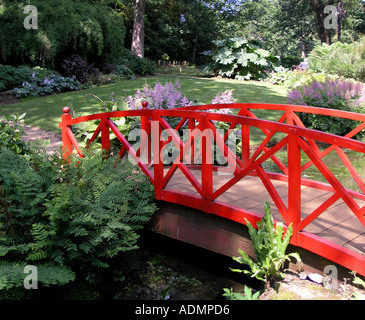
<point x="195" y="149"/>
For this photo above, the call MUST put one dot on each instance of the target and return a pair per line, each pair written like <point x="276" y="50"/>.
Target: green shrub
<point x="43" y="86"/>
<point x="245" y="295"/>
<point x="11" y="77"/>
<point x="136" y="64"/>
<point x="67" y="220"/>
<point x="95" y="212"/>
<point x="270" y="244"/>
<point x="92" y="30"/>
<point x="241" y="59"/>
<point x="11" y="133"/>
<point x="342" y="59"/>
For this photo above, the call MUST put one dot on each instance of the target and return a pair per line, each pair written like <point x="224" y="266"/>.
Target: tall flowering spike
<point x="159" y="97"/>
<point x="224" y="97"/>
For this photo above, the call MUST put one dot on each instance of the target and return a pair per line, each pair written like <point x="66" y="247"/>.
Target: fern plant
<point x="94" y="214"/>
<point x="270" y="245"/>
<point x="246" y="295"/>
<point x="361" y="283"/>
<point x="11" y="133"/>
<point x="67" y="219"/>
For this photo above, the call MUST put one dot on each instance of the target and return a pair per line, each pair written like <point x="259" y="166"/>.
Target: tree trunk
<point x="318" y="8"/>
<point x="302" y="47"/>
<point x="341" y="15"/>
<point x="195" y="44"/>
<point x="138" y="29"/>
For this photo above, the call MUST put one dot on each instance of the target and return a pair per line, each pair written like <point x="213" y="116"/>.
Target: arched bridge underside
<point x="226" y="161"/>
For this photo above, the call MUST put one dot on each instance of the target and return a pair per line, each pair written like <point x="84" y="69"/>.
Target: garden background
<point x="103" y="55"/>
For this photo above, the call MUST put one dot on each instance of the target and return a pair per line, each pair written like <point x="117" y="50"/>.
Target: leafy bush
<point x="11" y="76"/>
<point x="68" y="222"/>
<point x="94" y="214"/>
<point x="40" y="87"/>
<point x="93" y="30"/>
<point x="246" y="295"/>
<point x="136" y="64"/>
<point x="270" y="245"/>
<point x="296" y="78"/>
<point x="333" y="94"/>
<point x="241" y="59"/>
<point x="358" y="281"/>
<point x="11" y="133"/>
<point x="347" y="60"/>
<point x="75" y="66"/>
<point x="120" y="70"/>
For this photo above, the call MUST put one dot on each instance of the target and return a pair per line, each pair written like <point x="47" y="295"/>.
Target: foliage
<point x="43" y="86"/>
<point x="11" y="76"/>
<point x="347" y="60"/>
<point x="241" y="59"/>
<point x="75" y="66"/>
<point x="93" y="30"/>
<point x="270" y="244"/>
<point x="292" y="79"/>
<point x="158" y="97"/>
<point x="358" y="281"/>
<point x="11" y="133"/>
<point x="68" y="222"/>
<point x="94" y="214"/>
<point x="333" y="94"/>
<point x="12" y="275"/>
<point x="134" y="63"/>
<point x="246" y="295"/>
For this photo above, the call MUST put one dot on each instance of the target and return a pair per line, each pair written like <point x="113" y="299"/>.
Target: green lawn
<point x="46" y="112"/>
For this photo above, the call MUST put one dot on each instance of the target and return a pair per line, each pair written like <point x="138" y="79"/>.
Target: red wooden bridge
<point x="327" y="215"/>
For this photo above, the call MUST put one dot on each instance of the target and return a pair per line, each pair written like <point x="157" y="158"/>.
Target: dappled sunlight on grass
<point x="45" y="112"/>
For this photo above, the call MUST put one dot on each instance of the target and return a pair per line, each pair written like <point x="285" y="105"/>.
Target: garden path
<point x="34" y="133"/>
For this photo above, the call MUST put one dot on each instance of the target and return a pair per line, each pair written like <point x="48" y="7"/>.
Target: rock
<point x="303" y="276"/>
<point x="315" y="277"/>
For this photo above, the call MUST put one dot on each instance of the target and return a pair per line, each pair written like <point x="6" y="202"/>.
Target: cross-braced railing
<point x="198" y="137"/>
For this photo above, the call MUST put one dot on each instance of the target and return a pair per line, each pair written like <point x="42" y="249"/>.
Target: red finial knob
<point x="144" y="104"/>
<point x="66" y="110"/>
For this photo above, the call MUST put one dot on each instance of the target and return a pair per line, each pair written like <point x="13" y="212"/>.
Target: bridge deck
<point x="337" y="224"/>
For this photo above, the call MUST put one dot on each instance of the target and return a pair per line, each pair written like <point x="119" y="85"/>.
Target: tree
<point x="92" y="30"/>
<point x="318" y="7"/>
<point x="292" y="27"/>
<point x="138" y="28"/>
<point x="341" y="15"/>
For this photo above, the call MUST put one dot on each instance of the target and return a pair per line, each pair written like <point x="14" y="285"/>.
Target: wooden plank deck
<point x="337" y="224"/>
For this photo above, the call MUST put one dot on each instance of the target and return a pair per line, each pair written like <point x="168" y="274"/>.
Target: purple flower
<point x="166" y="96"/>
<point x="330" y="94"/>
<point x="224" y="97"/>
<point x="295" y="97"/>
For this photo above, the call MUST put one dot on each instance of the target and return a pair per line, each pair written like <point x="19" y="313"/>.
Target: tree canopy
<point x="181" y="30"/>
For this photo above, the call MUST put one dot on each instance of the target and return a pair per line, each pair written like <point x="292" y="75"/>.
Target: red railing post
<point x="105" y="135"/>
<point x="191" y="127"/>
<point x="66" y="141"/>
<point x="207" y="163"/>
<point x="145" y="147"/>
<point x="294" y="182"/>
<point x="245" y="143"/>
<point x="158" y="174"/>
